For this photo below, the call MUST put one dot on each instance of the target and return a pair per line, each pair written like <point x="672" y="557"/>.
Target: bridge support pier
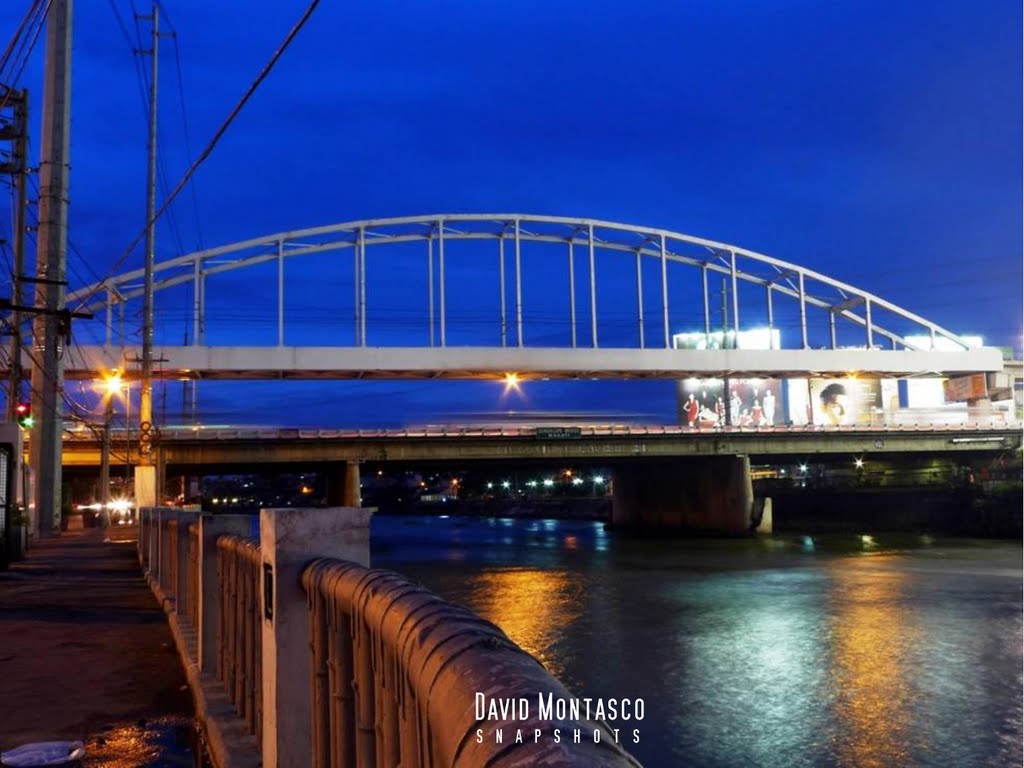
<point x="703" y="494"/>
<point x="342" y="481"/>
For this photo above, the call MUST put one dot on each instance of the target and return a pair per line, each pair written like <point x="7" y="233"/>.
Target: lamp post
<point x="113" y="385"/>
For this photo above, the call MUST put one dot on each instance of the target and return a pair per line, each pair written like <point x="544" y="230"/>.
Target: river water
<point x="892" y="650"/>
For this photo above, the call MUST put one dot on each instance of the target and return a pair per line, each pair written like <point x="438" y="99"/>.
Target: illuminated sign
<point x="755" y="338"/>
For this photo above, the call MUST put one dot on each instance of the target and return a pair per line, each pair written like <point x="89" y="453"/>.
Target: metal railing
<point x="396" y="670"/>
<point x="239" y="657"/>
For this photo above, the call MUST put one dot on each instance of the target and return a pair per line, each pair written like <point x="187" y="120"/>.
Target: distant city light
<point x="577" y="481"/>
<point x="598" y="479"/>
<point x="531" y="483"/>
<point x="803" y="468"/>
<point x="490" y="485"/>
<point x="858" y="463"/>
<point x="505" y="483"/>
<point x="548" y="482"/>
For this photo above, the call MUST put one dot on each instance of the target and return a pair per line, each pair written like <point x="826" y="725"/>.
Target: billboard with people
<point x="707" y="403"/>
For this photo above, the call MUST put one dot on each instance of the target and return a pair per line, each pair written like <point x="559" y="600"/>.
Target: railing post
<point x="289" y="540"/>
<point x="163" y="570"/>
<point x="185" y="519"/>
<point x="210" y="528"/>
<point x="152" y="542"/>
<point x="145" y="521"/>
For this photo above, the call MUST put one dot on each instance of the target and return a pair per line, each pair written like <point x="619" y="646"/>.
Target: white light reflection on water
<point x="754" y="668"/>
<point x="756" y="652"/>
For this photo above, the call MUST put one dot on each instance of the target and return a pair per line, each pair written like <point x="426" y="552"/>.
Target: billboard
<point x="751" y="403"/>
<point x="925" y="393"/>
<point x="963" y="388"/>
<point x="841" y="402"/>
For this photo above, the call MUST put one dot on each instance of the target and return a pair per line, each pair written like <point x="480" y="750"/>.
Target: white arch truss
<point x="760" y="289"/>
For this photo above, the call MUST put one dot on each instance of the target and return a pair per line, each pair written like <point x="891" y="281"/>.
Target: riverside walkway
<point x="86" y="654"/>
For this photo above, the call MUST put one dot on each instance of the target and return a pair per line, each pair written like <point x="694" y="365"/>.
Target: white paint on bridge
<point x="282" y="362"/>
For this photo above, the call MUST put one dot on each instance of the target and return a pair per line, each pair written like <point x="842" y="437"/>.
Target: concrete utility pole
<point x="50" y="328"/>
<point x="145" y="472"/>
<point x="18" y="168"/>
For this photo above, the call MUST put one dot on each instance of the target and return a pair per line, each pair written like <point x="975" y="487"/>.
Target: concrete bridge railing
<point x="239" y="642"/>
<point x="301" y="655"/>
<point x="396" y="676"/>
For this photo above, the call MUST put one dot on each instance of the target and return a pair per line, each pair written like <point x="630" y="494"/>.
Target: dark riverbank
<point x="992" y="512"/>
<point x="996" y="513"/>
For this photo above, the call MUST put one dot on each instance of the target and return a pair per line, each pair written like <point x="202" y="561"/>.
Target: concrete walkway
<point x="85" y="650"/>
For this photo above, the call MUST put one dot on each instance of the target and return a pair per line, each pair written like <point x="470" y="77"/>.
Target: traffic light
<point x="24" y="414"/>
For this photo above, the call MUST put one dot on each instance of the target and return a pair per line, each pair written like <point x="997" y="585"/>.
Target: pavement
<point x="86" y="654"/>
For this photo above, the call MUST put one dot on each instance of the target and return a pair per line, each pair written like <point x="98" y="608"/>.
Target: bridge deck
<point x="598" y="443"/>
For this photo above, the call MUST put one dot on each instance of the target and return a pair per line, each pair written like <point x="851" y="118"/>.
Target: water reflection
<point x="774" y="652"/>
<point x="533" y="607"/>
<point x="753" y="669"/>
<point x="164" y="742"/>
<point x="873" y="638"/>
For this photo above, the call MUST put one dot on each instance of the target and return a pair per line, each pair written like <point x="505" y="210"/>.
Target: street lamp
<point x="113" y="385"/>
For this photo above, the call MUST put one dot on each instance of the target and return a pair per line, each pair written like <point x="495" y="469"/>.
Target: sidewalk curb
<point x="230" y="745"/>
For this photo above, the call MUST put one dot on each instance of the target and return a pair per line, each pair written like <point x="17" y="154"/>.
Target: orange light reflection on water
<point x="531" y="606"/>
<point x="873" y="641"/>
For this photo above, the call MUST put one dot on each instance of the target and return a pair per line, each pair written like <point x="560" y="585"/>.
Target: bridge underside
<point x="223" y="449"/>
<point x="282" y="362"/>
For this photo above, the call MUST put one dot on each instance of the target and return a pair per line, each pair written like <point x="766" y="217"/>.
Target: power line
<point x="210" y="145"/>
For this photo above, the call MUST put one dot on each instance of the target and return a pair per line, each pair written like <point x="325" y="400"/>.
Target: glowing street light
<point x="858" y="463"/>
<point x="113" y="383"/>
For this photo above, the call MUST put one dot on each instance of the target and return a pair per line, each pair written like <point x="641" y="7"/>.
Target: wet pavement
<point x="86" y="654"/>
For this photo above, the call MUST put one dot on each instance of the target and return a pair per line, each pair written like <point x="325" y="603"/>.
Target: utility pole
<point x="145" y="472"/>
<point x="17" y="133"/>
<point x="51" y="267"/>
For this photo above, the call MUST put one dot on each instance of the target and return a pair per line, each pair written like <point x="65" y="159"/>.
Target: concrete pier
<point x="707" y="494"/>
<point x="343" y="485"/>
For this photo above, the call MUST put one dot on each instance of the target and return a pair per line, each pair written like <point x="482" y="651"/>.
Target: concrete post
<point x="289" y="540"/>
<point x="181" y="588"/>
<point x="210" y="528"/>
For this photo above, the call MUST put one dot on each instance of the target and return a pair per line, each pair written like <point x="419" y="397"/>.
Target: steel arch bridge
<point x="618" y="294"/>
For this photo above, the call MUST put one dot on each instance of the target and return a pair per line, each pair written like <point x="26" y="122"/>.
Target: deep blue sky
<point x="877" y="142"/>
